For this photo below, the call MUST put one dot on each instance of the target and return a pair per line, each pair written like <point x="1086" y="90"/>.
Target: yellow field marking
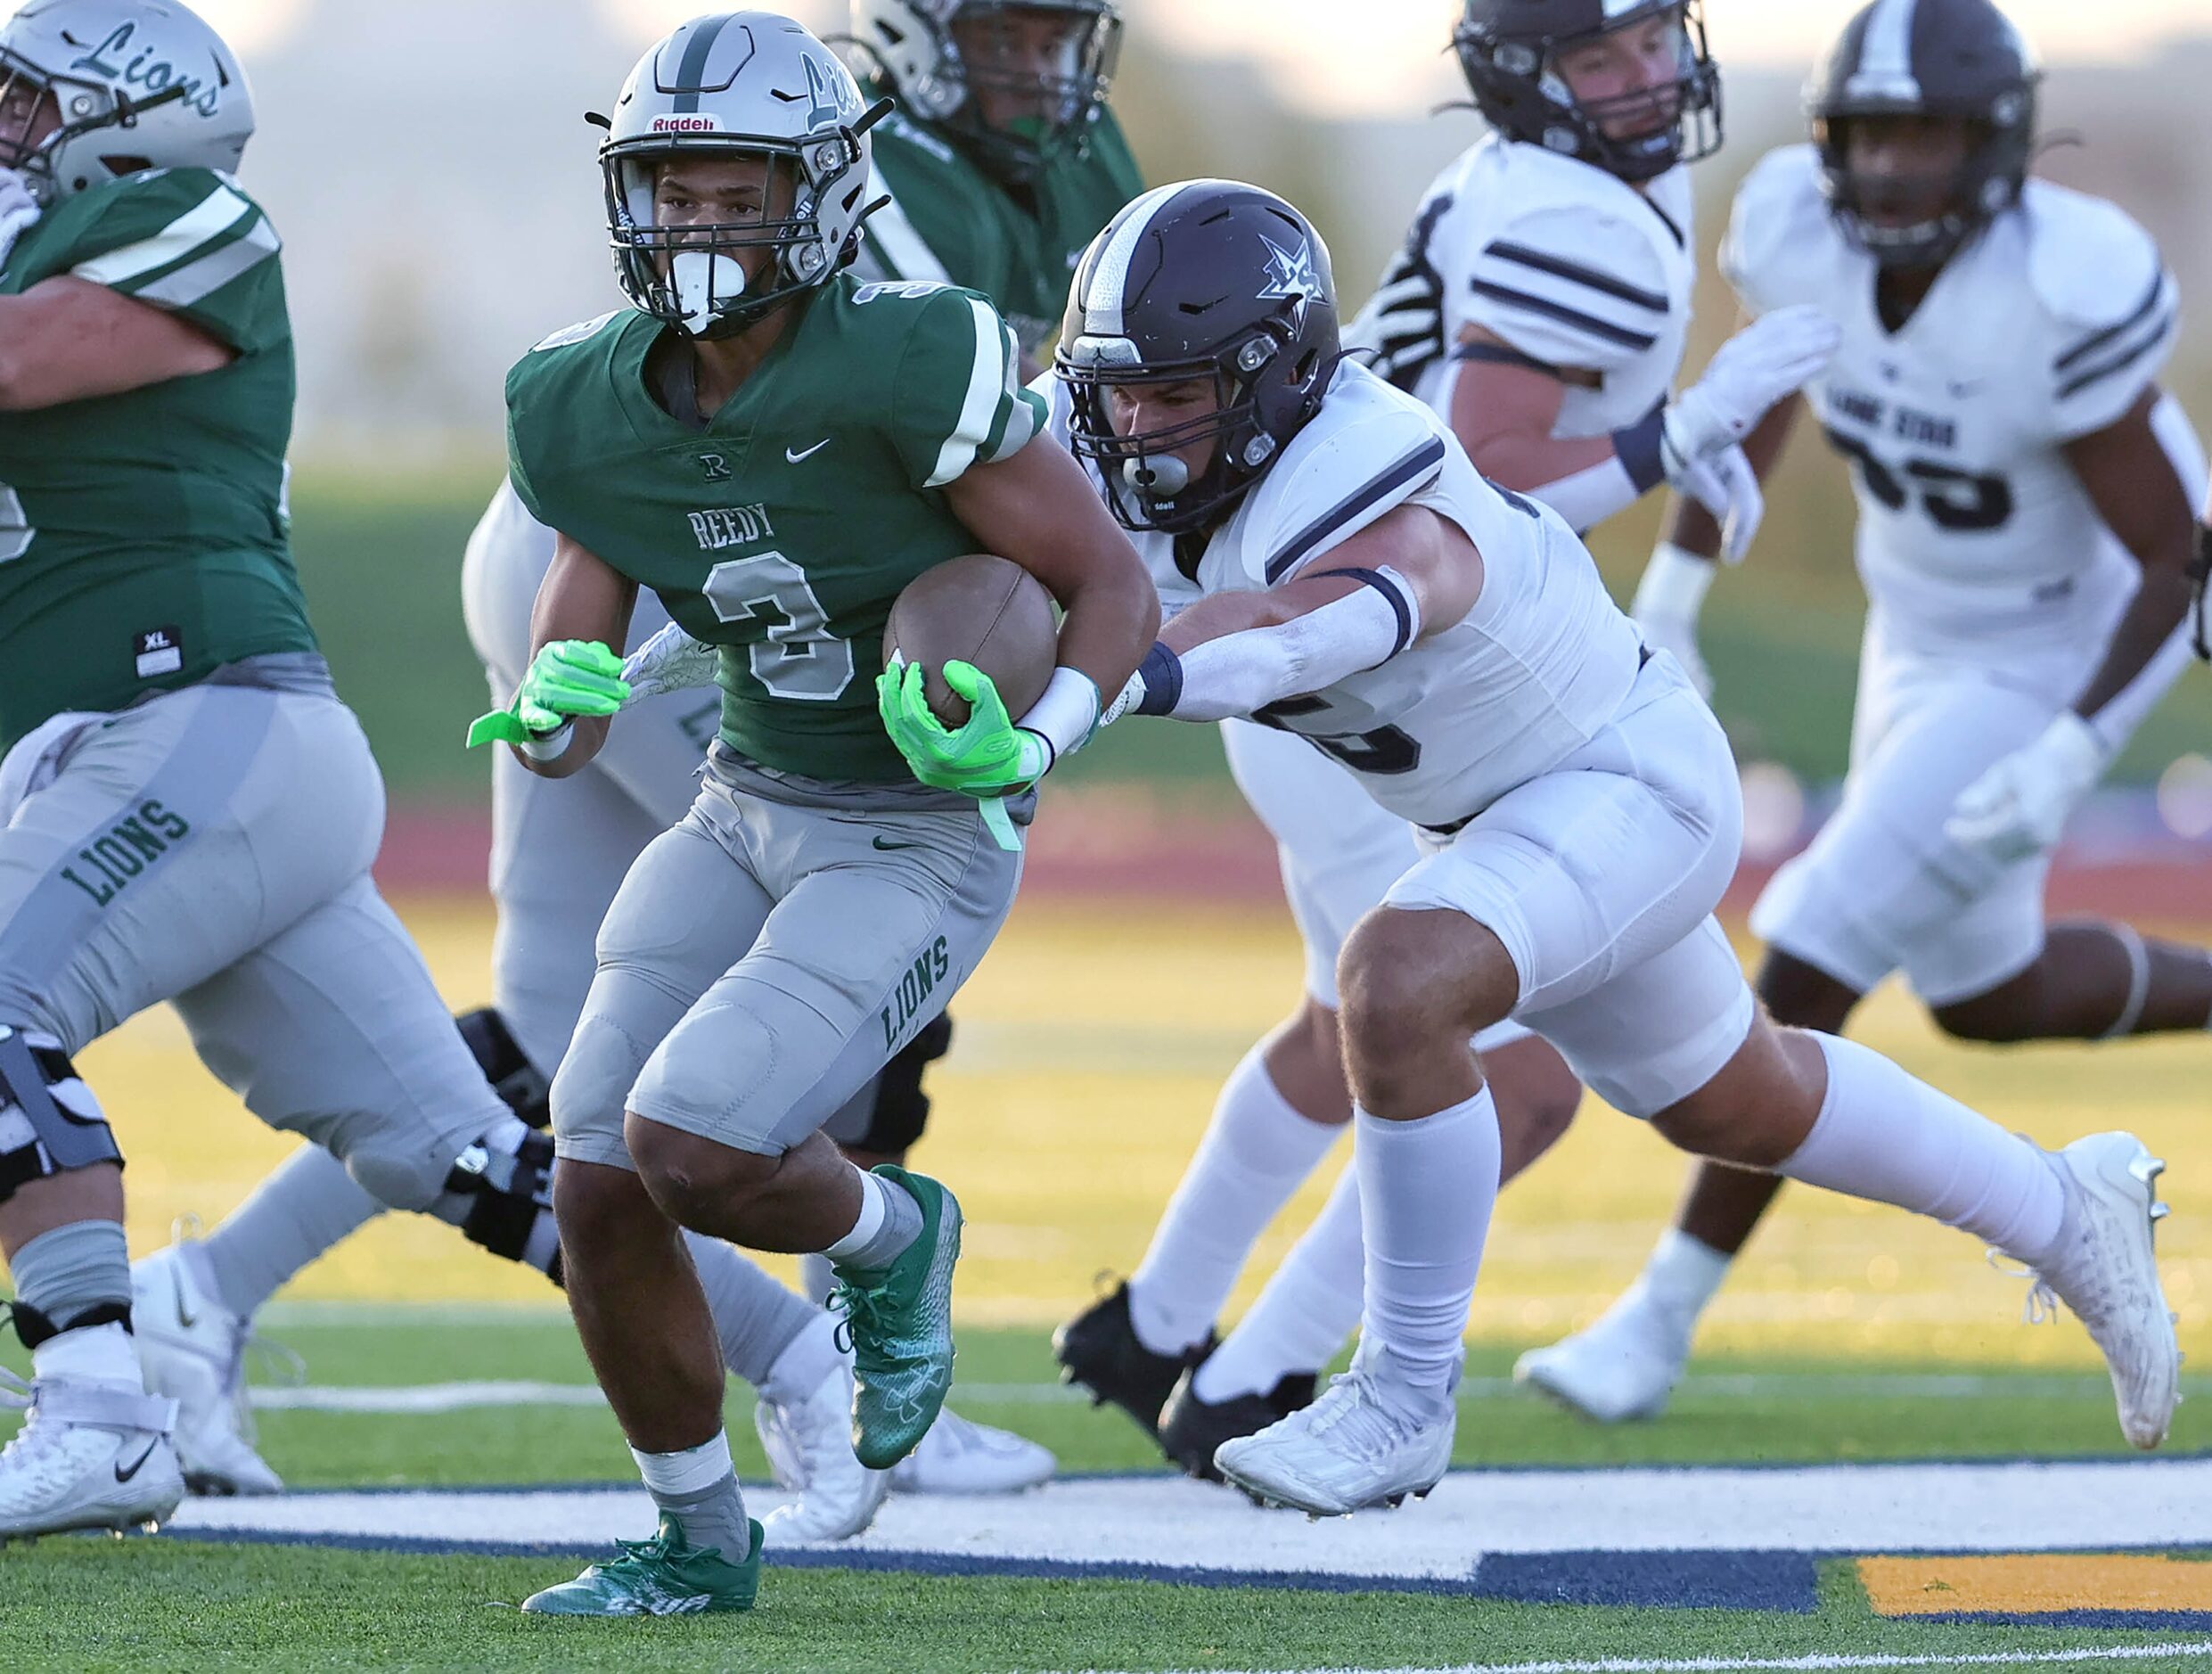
<point x="2033" y="1583"/>
<point x="1088" y="1052"/>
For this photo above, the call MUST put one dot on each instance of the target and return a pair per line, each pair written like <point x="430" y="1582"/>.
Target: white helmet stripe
<point x="1885" y="67"/>
<point x="1109" y="279"/>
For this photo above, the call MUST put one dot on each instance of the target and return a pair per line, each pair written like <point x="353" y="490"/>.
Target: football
<point x="982" y="610"/>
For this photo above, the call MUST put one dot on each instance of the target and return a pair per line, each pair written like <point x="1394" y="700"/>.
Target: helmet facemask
<point x="1520" y="88"/>
<point x="985" y="42"/>
<point x="1148" y="487"/>
<point x="694" y="275"/>
<point x="1973" y="193"/>
<point x="78" y="108"/>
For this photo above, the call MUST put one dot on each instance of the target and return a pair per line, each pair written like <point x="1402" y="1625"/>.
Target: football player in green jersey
<point x="1003" y="160"/>
<point x="1001" y="166"/>
<point x="187" y="812"/>
<point x="774" y="450"/>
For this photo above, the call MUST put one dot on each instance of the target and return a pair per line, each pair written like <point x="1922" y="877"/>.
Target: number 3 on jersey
<point x="799" y="659"/>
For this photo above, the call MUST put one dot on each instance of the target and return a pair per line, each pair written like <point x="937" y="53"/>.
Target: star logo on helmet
<point x="1291" y="276"/>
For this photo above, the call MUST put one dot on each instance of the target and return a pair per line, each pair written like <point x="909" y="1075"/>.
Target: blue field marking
<point x="1783" y="1582"/>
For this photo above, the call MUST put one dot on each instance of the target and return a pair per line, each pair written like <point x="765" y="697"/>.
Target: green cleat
<point x="900" y="1318"/>
<point x="665" y="1576"/>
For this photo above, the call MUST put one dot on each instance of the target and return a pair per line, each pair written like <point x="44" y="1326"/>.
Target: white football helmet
<point x="132" y="85"/>
<point x="736" y="84"/>
<point x="913" y="42"/>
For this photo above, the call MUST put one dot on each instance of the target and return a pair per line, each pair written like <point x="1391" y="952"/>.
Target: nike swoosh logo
<point x="184" y="1315"/>
<point x="888" y="846"/>
<point x="138" y="1463"/>
<point x="809" y="454"/>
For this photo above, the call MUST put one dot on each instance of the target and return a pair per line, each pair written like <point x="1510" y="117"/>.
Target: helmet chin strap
<point x="700" y="279"/>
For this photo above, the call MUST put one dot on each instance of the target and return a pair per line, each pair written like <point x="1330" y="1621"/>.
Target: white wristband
<point x="1674" y="585"/>
<point x="549" y="746"/>
<point x="1067" y="715"/>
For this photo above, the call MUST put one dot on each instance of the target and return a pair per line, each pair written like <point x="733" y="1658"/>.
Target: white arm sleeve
<point x="1591" y="494"/>
<point x="1242" y="672"/>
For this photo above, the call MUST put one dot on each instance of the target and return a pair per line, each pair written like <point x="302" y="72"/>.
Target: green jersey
<point x="948" y="219"/>
<point x="782" y="532"/>
<point x="143" y="537"/>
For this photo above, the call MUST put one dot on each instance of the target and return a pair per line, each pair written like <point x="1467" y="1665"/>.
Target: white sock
<point x="1257" y="1153"/>
<point x="816" y="1278"/>
<point x="1681" y="1274"/>
<point x="1426" y="1191"/>
<point x="806" y="1361"/>
<point x="890" y="1220"/>
<point x="1884" y="1135"/>
<point x="309" y="1204"/>
<point x="1309" y="1308"/>
<point x="96" y="1354"/>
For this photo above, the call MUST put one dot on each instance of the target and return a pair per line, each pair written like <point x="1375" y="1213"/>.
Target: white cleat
<point x="809" y="1444"/>
<point x="1623" y="1367"/>
<point x="194" y="1350"/>
<point x="959" y="1457"/>
<point x="89" y="1455"/>
<point x="1366" y="1442"/>
<point x="2106" y="1270"/>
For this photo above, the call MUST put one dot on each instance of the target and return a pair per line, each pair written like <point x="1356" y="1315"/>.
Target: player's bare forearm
<point x="581" y="597"/>
<point x="1503" y="416"/>
<point x="1693" y="529"/>
<point x="1038" y="510"/>
<point x="2127" y="473"/>
<point x="69" y="340"/>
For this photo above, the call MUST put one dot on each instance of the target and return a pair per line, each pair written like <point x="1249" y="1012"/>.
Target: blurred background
<point x="429" y="166"/>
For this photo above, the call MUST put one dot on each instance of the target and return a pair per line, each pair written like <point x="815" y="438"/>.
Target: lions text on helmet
<point x="93" y="90"/>
<point x="1228" y="290"/>
<point x="736" y="166"/>
<point x="1011" y="79"/>
<point x="1627" y="84"/>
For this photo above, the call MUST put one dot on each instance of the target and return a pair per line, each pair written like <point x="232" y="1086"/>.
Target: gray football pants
<point x="765" y="958"/>
<point x="211" y="847"/>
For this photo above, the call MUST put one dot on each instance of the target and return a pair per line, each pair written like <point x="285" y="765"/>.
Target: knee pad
<point x="50" y="1122"/>
<point x="507" y="1180"/>
<point x="902" y="1109"/>
<point x="520" y="1085"/>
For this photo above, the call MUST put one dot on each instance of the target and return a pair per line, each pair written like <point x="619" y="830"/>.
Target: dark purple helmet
<point x="1509" y="51"/>
<point x="1927" y="58"/>
<point x="1207" y="279"/>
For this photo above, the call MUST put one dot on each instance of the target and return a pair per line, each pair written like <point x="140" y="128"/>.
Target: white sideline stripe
<point x="447" y="1397"/>
<point x="1727" y="1665"/>
<point x="1172" y="1523"/>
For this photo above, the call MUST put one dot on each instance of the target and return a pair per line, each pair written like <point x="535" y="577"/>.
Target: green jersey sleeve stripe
<point x="1013" y="425"/>
<point x="198" y="280"/>
<point x="986" y="392"/>
<point x="900" y="252"/>
<point x="207" y="220"/>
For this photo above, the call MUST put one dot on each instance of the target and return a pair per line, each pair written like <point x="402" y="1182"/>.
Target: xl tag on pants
<point x="158" y="651"/>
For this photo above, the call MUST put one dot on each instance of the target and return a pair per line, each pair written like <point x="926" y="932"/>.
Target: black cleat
<point x="1098" y="1350"/>
<point x="1191" y="1429"/>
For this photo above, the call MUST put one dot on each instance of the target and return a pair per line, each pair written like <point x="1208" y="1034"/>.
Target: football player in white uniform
<point x="2026" y="493"/>
<point x="1554" y="259"/>
<point x="1451" y="644"/>
<point x="1542" y="301"/>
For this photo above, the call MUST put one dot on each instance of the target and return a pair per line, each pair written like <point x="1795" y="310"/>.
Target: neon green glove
<point x="566" y="678"/>
<point x="987" y="755"/>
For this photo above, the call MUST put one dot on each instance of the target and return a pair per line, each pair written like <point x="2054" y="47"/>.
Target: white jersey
<point x="1539" y="666"/>
<point x="1976" y="539"/>
<point x="1569" y="265"/>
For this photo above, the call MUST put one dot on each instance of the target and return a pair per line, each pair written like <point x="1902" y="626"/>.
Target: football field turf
<point x="1859" y="1363"/>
